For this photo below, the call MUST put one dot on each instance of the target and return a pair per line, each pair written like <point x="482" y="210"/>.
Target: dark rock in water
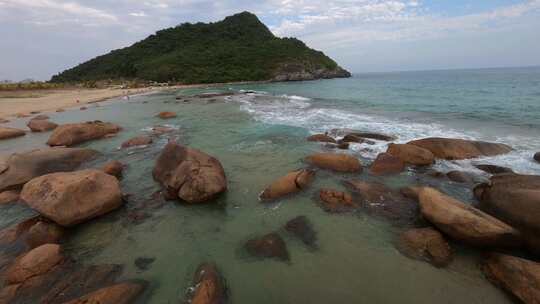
<point x="302" y="228"/>
<point x="143" y="263"/>
<point x="6" y="133"/>
<point x="518" y="276"/>
<point x="425" y="244"/>
<point x="376" y="136"/>
<point x="40" y="117"/>
<point x="321" y="138"/>
<point x="268" y="246"/>
<point x="114" y="168"/>
<point x="386" y="164"/>
<point x="537" y="157"/>
<point x="120" y="293"/>
<point x="411" y="154"/>
<point x="213" y="95"/>
<point x="166" y="115"/>
<point x="288" y="184"/>
<point x="44" y="233"/>
<point x="160" y="130"/>
<point x="351" y="138"/>
<point x="189" y="174"/>
<point x="41" y="125"/>
<point x="455" y="149"/>
<point x="461" y="177"/>
<point x="411" y="192"/>
<point x="336" y="201"/>
<point x="73" y="134"/>
<point x="335" y="162"/>
<point x="137" y="141"/>
<point x="493" y="169"/>
<point x="208" y="287"/>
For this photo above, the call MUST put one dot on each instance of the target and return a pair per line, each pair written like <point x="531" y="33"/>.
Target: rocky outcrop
<point x="518" y="276"/>
<point x="121" y="293"/>
<point x="288" y="184"/>
<point x="189" y="174"/>
<point x="208" y="286"/>
<point x="321" y="138"/>
<point x="302" y="228"/>
<point x="386" y="164"/>
<point x="411" y="154"/>
<point x="455" y="149"/>
<point x="114" y="168"/>
<point x="73" y="134"/>
<point x="465" y="223"/>
<point x="41" y="125"/>
<point x="9" y="196"/>
<point x="19" y="168"/>
<point x="335" y="162"/>
<point x="425" y="244"/>
<point x="299" y="71"/>
<point x="334" y="201"/>
<point x="166" y="115"/>
<point x="38" y="261"/>
<point x="70" y="198"/>
<point x="493" y="169"/>
<point x="7" y="133"/>
<point x="137" y="141"/>
<point x="268" y="246"/>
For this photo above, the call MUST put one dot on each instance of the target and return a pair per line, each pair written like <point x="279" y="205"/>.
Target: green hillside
<point x="239" y="48"/>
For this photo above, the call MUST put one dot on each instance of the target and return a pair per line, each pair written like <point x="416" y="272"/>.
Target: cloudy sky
<point x="40" y="38"/>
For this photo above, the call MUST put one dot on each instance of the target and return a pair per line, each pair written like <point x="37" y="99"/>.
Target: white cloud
<point x="69" y="8"/>
<point x="138" y="14"/>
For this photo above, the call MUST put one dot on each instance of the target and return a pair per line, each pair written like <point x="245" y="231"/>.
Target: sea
<point x="259" y="135"/>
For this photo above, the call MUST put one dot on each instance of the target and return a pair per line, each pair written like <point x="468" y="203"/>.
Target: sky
<point x="40" y="38"/>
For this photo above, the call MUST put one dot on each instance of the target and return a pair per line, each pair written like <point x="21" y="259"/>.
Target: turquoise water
<point x="261" y="136"/>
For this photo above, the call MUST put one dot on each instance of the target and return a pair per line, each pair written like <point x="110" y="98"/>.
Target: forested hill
<point x="238" y="48"/>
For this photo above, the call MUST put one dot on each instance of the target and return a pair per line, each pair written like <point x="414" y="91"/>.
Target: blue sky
<point x="43" y="37"/>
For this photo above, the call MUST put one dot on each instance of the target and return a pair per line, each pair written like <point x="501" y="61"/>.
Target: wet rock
<point x="60" y="110"/>
<point x="83" y="108"/>
<point x="301" y="228"/>
<point x="518" y="276"/>
<point x="137" y="141"/>
<point x="336" y="201"/>
<point x="189" y="174"/>
<point x="38" y="261"/>
<point x="16" y="232"/>
<point x="41" y="125"/>
<point x="143" y="263"/>
<point x="352" y="138"/>
<point x="208" y="286"/>
<point x="426" y="244"/>
<point x="268" y="246"/>
<point x="493" y="169"/>
<point x="461" y="177"/>
<point x="42" y="233"/>
<point x="411" y="192"/>
<point x="160" y="130"/>
<point x="411" y="154"/>
<point x="288" y="184"/>
<point x="464" y="222"/>
<point x="166" y="115"/>
<point x="40" y="117"/>
<point x="7" y="133"/>
<point x="121" y="293"/>
<point x="361" y="134"/>
<point x="2" y="121"/>
<point x="70" y="198"/>
<point x="335" y="162"/>
<point x="387" y="164"/>
<point x="22" y="167"/>
<point x="114" y="168"/>
<point x="455" y="149"/>
<point x="10" y="196"/>
<point x="321" y="138"/>
<point x="73" y="134"/>
<point x="537" y="157"/>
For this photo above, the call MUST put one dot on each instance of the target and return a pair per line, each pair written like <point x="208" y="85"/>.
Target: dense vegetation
<point x="239" y="48"/>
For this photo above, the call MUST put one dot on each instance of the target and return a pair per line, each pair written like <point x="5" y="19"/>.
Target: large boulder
<point x="19" y="168"/>
<point x="189" y="174"/>
<point x="335" y="201"/>
<point x="73" y="134"/>
<point x="386" y="164"/>
<point x="121" y="293"/>
<point x="321" y="138"/>
<point x="454" y="149"/>
<point x="268" y="246"/>
<point x="36" y="262"/>
<point x="335" y="162"/>
<point x="518" y="276"/>
<point x="70" y="198"/>
<point x="6" y="133"/>
<point x="288" y="184"/>
<point x="208" y="286"/>
<point x="425" y="244"/>
<point x="411" y="154"/>
<point x="464" y="222"/>
<point x="114" y="168"/>
<point x="142" y="140"/>
<point x="41" y="125"/>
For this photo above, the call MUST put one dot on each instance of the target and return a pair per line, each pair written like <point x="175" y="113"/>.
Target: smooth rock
<point x="137" y="141"/>
<point x="41" y="125"/>
<point x="411" y="154"/>
<point x="189" y="174"/>
<point x="336" y="201"/>
<point x="208" y="286"/>
<point x="121" y="293"/>
<point x="461" y="177"/>
<point x="302" y="228"/>
<point x="166" y="115"/>
<point x="455" y="149"/>
<point x="114" y="168"/>
<point x="73" y="134"/>
<point x="493" y="169"/>
<point x="335" y="162"/>
<point x="289" y="184"/>
<point x="268" y="246"/>
<point x="70" y="198"/>
<point x="386" y="164"/>
<point x="321" y="138"/>
<point x="7" y="133"/>
<point x="42" y="233"/>
<point x="351" y="138"/>
<point x="412" y="192"/>
<point x="36" y="262"/>
<point x="465" y="223"/>
<point x="426" y="244"/>
<point x="9" y="196"/>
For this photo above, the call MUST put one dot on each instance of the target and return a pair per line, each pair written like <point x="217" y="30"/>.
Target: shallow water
<point x="259" y="137"/>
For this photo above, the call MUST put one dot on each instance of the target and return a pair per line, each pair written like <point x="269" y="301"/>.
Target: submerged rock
<point x="426" y="244"/>
<point x="493" y="169"/>
<point x="335" y="162"/>
<point x="70" y="198"/>
<point x="336" y="201"/>
<point x="7" y="133"/>
<point x="518" y="276"/>
<point x="386" y="163"/>
<point x="73" y="134"/>
<point x="289" y="184"/>
<point x="137" y="141"/>
<point x="411" y="154"/>
<point x="121" y="293"/>
<point x="461" y="177"/>
<point x="301" y="227"/>
<point x="268" y="246"/>
<point x="464" y="222"/>
<point x="352" y="138"/>
<point x="321" y="138"/>
<point x="455" y="149"/>
<point x="189" y="174"/>
<point x="19" y="168"/>
<point x="209" y="286"/>
<point x="10" y="196"/>
<point x="114" y="168"/>
<point x="143" y="263"/>
<point x="41" y="125"/>
<point x="42" y="233"/>
<point x="166" y="115"/>
<point x="36" y="262"/>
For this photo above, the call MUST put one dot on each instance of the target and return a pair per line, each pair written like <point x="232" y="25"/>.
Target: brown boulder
<point x="166" y="115"/>
<point x="208" y="286"/>
<point x="44" y="233"/>
<point x="411" y="154"/>
<point x="351" y="138"/>
<point x="455" y="149"/>
<point x="288" y="184"/>
<point x="36" y="262"/>
<point x="10" y="196"/>
<point x="387" y="164"/>
<point x="268" y="246"/>
<point x="121" y="293"/>
<point x="461" y="177"/>
<point x="426" y="244"/>
<point x="70" y="198"/>
<point x="73" y="134"/>
<point x="336" y="201"/>
<point x="321" y="138"/>
<point x="113" y="168"/>
<point x="137" y="141"/>
<point x="189" y="174"/>
<point x="41" y="125"/>
<point x="518" y="276"/>
<point x="464" y="222"/>
<point x="335" y="162"/>
<point x="6" y="133"/>
<point x="493" y="169"/>
<point x="22" y="167"/>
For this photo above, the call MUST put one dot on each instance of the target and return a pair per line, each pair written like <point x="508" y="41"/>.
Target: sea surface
<point x="259" y="136"/>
